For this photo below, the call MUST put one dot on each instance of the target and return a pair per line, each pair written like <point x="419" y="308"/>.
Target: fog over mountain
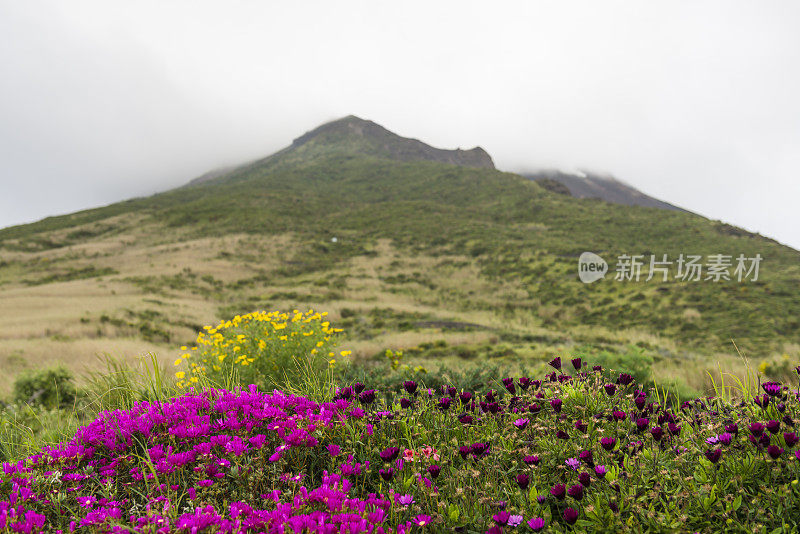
<point x="693" y="103"/>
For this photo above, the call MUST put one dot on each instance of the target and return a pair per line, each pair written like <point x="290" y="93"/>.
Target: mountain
<point x="591" y="185"/>
<point x="408" y="247"/>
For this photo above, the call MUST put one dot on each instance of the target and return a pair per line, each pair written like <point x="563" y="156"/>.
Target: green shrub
<point x="48" y="388"/>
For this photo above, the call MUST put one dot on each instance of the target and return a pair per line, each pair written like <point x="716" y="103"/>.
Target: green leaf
<point x="737" y="502"/>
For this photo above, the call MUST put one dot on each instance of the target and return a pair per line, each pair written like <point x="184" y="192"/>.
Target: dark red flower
<point x="774" y="451"/>
<point x="657" y="432"/>
<point x="559" y="491"/>
<point x="756" y="429"/>
<point x="524" y="382"/>
<point x="570" y="515"/>
<point x="465" y="419"/>
<point x="580" y="426"/>
<point x="713" y="456"/>
<point x="523" y="480"/>
<point x="386" y="474"/>
<point x="585" y="478"/>
<point x="410" y="386"/>
<point x="587" y="457"/>
<point x="509" y="385"/>
<point x="358" y="387"/>
<point x="610" y="389"/>
<point x="531" y="460"/>
<point x="389" y="454"/>
<point x="556" y="405"/>
<point x="576" y="492"/>
<point x="773" y="426"/>
<point x="577" y="363"/>
<point x="556" y="363"/>
<point x="790" y="438"/>
<point x="625" y="379"/>
<point x="608" y="443"/>
<point x="434" y="470"/>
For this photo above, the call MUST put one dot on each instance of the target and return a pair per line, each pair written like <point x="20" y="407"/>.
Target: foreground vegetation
<point x="341" y="448"/>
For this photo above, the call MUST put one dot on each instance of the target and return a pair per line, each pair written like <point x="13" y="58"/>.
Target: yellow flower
<point x="180" y="374"/>
<point x="347" y="352"/>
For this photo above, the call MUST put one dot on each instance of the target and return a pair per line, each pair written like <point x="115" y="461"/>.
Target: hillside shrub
<point x="48" y="388"/>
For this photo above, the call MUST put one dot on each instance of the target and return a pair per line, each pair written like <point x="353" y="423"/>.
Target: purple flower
<point x="524" y="382"/>
<point x="725" y="438"/>
<point x="358" y="387"/>
<point x="536" y="524"/>
<point x="405" y="403"/>
<point x="534" y="408"/>
<point x="444" y="403"/>
<point x="641" y="423"/>
<point x="657" y="432"/>
<point x="404" y="500"/>
<point x="597" y="368"/>
<point x="367" y="396"/>
<point x="580" y="426"/>
<point x="523" y="480"/>
<point x="713" y="456"/>
<point x="434" y="470"/>
<point x="556" y="405"/>
<point x="410" y="386"/>
<point x="521" y="423"/>
<point x="531" y="460"/>
<point x="389" y="454"/>
<point x="773" y="426"/>
<point x="577" y="363"/>
<point x="774" y="451"/>
<point x="509" y="385"/>
<point x="386" y="474"/>
<point x="464" y="450"/>
<point x="465" y="396"/>
<point x="501" y="517"/>
<point x="608" y="443"/>
<point x="625" y="379"/>
<point x="674" y="429"/>
<point x="576" y="492"/>
<point x="600" y="471"/>
<point x="562" y="435"/>
<point x="585" y="478"/>
<point x="733" y="428"/>
<point x="773" y="389"/>
<point x="790" y="438"/>
<point x="587" y="457"/>
<point x="570" y="515"/>
<point x="619" y="415"/>
<point x="574" y="463"/>
<point x="559" y="491"/>
<point x="757" y="429"/>
<point x="610" y="389"/>
<point x="556" y="363"/>
<point x="514" y="520"/>
<point x="465" y="419"/>
<point x="334" y="450"/>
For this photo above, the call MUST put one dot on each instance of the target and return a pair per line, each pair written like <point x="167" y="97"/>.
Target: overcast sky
<point x="695" y="103"/>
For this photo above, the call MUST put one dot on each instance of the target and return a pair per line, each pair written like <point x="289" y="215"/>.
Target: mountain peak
<point x="368" y="137"/>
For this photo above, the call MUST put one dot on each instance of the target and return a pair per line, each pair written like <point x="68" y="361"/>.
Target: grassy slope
<point x="416" y="242"/>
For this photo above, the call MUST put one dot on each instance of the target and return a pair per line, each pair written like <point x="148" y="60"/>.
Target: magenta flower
<point x="422" y="520"/>
<point x="600" y="471"/>
<point x="657" y="432"/>
<point x="410" y="386"/>
<point x="521" y="423"/>
<point x="559" y="491"/>
<point x="386" y="474"/>
<point x="404" y="500"/>
<point x="624" y="379"/>
<point x="733" y="428"/>
<point x="576" y="363"/>
<point x="523" y="480"/>
<point x="536" y="524"/>
<point x="556" y="363"/>
<point x="585" y="479"/>
<point x="434" y="470"/>
<point x="514" y="520"/>
<point x="501" y="517"/>
<point x="790" y="438"/>
<point x="773" y="426"/>
<point x="725" y="438"/>
<point x="610" y="389"/>
<point x="509" y="385"/>
<point x="556" y="405"/>
<point x="713" y="456"/>
<point x="531" y="460"/>
<point x="757" y="429"/>
<point x="773" y="389"/>
<point x="334" y="450"/>
<point x="524" y="382"/>
<point x="574" y="463"/>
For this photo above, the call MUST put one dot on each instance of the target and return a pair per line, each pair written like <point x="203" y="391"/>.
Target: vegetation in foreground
<point x="580" y="448"/>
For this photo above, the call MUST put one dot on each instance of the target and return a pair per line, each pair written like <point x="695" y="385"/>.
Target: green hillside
<point x="453" y="263"/>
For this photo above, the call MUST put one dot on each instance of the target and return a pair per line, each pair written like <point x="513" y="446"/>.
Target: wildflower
<point x="464" y="450"/>
<point x="713" y="456"/>
<point x="570" y="515"/>
<point x="773" y="426"/>
<point x="600" y="471"/>
<point x="358" y="387"/>
<point x="576" y="363"/>
<point x="725" y="438"/>
<point x="585" y="478"/>
<point x="556" y="363"/>
<point x="573" y="463"/>
<point x="410" y="386"/>
<point x="674" y="429"/>
<point x="509" y="385"/>
<point x="536" y="524"/>
<point x="389" y="454"/>
<point x="434" y="470"/>
<point x="524" y="382"/>
<point x="501" y="517"/>
<point x="576" y="492"/>
<point x="408" y="455"/>
<point x="619" y="415"/>
<point x="774" y="451"/>
<point x="521" y="423"/>
<point x="405" y="403"/>
<point x="465" y="396"/>
<point x="404" y="500"/>
<point x="514" y="520"/>
<point x="558" y="491"/>
<point x="556" y="405"/>
<point x="367" y="396"/>
<point x="625" y="379"/>
<point x="597" y="368"/>
<point x="587" y="457"/>
<point x="641" y="423"/>
<point x="523" y="480"/>
<point x="386" y="474"/>
<point x="773" y="389"/>
<point x="465" y="419"/>
<point x="610" y="389"/>
<point x="580" y="426"/>
<point x="531" y="460"/>
<point x="733" y="428"/>
<point x="756" y="429"/>
<point x="422" y="520"/>
<point x="608" y="443"/>
<point x="562" y="435"/>
<point x="444" y="403"/>
<point x="534" y="408"/>
<point x="713" y="440"/>
<point x="790" y="438"/>
<point x="334" y="450"/>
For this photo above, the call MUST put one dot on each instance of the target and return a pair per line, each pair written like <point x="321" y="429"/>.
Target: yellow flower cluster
<point x="261" y="340"/>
